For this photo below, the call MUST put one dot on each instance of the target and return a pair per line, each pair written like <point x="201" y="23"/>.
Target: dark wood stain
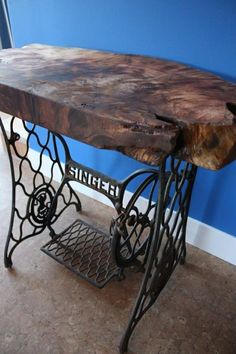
<point x="144" y="107"/>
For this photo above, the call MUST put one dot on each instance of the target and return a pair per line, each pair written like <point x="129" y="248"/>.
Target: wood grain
<point x="141" y="106"/>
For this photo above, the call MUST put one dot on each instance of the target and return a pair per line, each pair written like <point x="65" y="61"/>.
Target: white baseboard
<point x="203" y="236"/>
<point x="212" y="240"/>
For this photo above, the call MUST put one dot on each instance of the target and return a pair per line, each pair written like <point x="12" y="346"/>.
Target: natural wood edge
<point x="208" y="146"/>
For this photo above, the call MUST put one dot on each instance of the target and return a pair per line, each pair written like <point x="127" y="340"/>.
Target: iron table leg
<point x="167" y="244"/>
<point x="31" y="204"/>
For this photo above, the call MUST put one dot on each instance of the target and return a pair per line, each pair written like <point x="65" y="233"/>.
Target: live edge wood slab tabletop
<point x="142" y="106"/>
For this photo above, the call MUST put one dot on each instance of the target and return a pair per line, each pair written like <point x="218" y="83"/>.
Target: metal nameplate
<point x="93" y="179"/>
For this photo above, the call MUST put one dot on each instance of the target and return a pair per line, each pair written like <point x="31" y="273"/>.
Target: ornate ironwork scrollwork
<point x="150" y="228"/>
<point x="31" y="202"/>
<point x="167" y="244"/>
<point x="133" y="228"/>
<point x="40" y="203"/>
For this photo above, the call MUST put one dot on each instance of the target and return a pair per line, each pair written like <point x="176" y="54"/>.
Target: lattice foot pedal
<point x="84" y="250"/>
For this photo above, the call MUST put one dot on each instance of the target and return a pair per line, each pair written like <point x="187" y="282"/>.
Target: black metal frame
<point x="153" y="239"/>
<point x="37" y="198"/>
<point x="167" y="244"/>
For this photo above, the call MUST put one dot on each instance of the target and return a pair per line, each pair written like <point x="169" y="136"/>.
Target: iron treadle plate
<point x="84" y="250"/>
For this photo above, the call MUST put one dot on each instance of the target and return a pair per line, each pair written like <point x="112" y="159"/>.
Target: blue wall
<point x="4" y="29"/>
<point x="198" y="32"/>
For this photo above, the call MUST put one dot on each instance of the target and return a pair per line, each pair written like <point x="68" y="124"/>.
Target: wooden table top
<point x="142" y="106"/>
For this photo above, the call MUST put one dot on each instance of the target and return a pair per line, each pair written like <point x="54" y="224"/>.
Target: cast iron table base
<point x="151" y="237"/>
